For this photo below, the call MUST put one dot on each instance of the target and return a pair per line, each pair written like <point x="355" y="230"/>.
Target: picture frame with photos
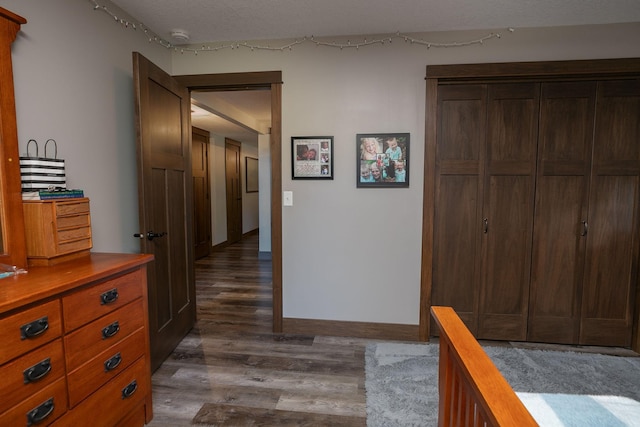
<point x="312" y="157"/>
<point x="251" y="174"/>
<point x="382" y="160"/>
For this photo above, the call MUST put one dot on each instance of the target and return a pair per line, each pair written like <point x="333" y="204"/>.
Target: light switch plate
<point x="287" y="198"/>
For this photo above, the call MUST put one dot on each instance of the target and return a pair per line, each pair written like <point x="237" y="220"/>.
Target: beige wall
<point x="73" y="82"/>
<point x="354" y="254"/>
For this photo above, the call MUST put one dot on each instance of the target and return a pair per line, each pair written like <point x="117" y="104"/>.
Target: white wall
<point x="73" y="82"/>
<point x="354" y="254"/>
<point x="250" y="201"/>
<point x="218" y="190"/>
<point x="348" y="253"/>
<point x="264" y="195"/>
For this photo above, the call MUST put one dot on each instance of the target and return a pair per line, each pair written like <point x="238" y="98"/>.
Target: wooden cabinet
<point x="57" y="230"/>
<point x="536" y="200"/>
<point x="76" y="343"/>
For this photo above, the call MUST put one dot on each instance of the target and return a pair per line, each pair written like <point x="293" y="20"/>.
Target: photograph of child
<point x="383" y="160"/>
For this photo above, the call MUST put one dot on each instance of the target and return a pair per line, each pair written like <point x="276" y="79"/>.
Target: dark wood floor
<point x="232" y="371"/>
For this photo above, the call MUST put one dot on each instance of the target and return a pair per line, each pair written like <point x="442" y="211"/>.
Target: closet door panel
<point x="505" y="293"/>
<point x="564" y="161"/>
<point x="610" y="276"/>
<point x="612" y="244"/>
<point x="556" y="271"/>
<point x="457" y="242"/>
<point x="458" y="195"/>
<point x="461" y="122"/>
<point x="512" y="132"/>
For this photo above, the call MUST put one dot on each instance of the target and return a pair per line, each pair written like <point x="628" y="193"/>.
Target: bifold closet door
<point x="507" y="217"/>
<point x="458" y="199"/>
<point x="611" y="263"/>
<point x="560" y="224"/>
<point x="485" y="173"/>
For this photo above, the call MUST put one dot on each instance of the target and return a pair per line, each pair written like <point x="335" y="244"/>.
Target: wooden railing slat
<point x="468" y="373"/>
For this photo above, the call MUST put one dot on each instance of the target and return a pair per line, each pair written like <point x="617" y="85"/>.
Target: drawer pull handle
<point x="37" y="371"/>
<point x="111" y="330"/>
<point x="113" y="363"/>
<point x="35" y="328"/>
<point x="130" y="389"/>
<point x="109" y="296"/>
<point x="37" y="415"/>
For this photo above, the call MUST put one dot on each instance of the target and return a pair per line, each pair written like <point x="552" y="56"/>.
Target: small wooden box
<point x="56" y="230"/>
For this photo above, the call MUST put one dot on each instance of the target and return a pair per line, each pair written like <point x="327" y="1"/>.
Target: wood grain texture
<point x="13" y="249"/>
<point x="231" y="369"/>
<point x="470" y="385"/>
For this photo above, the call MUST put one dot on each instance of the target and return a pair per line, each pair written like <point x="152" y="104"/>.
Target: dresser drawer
<point x="136" y="418"/>
<point x="93" y="374"/>
<point x="45" y="406"/>
<point x="114" y="400"/>
<point x="74" y="221"/>
<point x="90" y="303"/>
<point x="63" y="248"/>
<point x="74" y="234"/>
<point x="31" y="328"/>
<point x="66" y="208"/>
<point x="30" y="373"/>
<point x="87" y="342"/>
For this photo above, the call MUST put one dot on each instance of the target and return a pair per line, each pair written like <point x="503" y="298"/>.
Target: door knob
<point x="150" y="235"/>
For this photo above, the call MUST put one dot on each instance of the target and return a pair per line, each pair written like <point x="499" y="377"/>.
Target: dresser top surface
<point x="45" y="282"/>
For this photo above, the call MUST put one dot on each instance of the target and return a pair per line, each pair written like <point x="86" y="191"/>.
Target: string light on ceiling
<point x="154" y="38"/>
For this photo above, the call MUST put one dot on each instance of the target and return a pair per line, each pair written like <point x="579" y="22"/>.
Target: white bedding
<point x="565" y="410"/>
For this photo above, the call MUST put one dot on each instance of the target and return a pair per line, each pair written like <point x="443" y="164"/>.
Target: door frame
<point x="259" y="80"/>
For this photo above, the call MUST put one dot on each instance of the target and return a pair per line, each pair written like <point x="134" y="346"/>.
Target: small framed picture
<point x="382" y="160"/>
<point x="312" y="157"/>
<point x="251" y="172"/>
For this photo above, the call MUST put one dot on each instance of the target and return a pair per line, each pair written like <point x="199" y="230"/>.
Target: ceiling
<point x="239" y="115"/>
<point x="211" y="21"/>
<point x="234" y="20"/>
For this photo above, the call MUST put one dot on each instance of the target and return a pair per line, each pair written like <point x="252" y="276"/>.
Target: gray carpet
<point x="402" y="379"/>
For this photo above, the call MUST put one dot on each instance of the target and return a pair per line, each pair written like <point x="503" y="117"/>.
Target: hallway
<point x="231" y="370"/>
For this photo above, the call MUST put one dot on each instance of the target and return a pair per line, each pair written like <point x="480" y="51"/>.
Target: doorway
<point x="270" y="80"/>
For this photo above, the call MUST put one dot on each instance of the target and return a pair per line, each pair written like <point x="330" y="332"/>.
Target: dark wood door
<point x="234" y="191"/>
<point x="201" y="193"/>
<point x="165" y="203"/>
<point x="509" y="189"/>
<point x="458" y="207"/>
<point x="564" y="167"/>
<point x="611" y="264"/>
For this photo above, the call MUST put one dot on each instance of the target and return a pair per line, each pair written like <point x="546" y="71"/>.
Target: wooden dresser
<point x="75" y="344"/>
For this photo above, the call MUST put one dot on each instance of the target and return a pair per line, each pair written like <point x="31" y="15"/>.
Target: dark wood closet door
<point x="612" y="241"/>
<point x="234" y="191"/>
<point x="458" y="216"/>
<point x="512" y="134"/>
<point x="564" y="162"/>
<point x="201" y="192"/>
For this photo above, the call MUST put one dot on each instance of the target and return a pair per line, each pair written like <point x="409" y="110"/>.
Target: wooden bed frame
<point x="472" y="391"/>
